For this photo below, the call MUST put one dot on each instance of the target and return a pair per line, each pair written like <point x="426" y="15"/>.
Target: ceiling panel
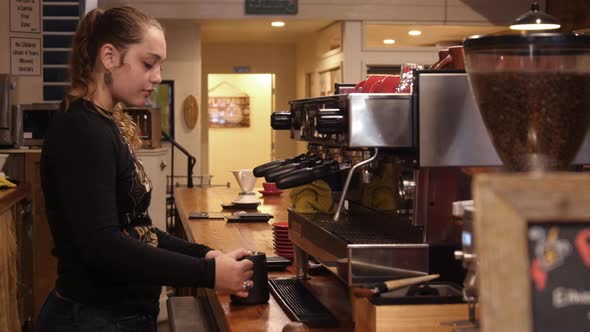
<point x="260" y="31"/>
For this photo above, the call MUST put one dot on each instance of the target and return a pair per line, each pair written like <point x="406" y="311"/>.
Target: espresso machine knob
<point x="280" y="120"/>
<point x="330" y="121"/>
<point x="464" y="256"/>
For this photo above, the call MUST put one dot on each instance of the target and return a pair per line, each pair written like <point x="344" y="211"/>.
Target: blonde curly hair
<point x="121" y="27"/>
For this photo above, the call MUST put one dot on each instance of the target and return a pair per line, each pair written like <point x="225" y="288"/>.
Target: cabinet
<point x="155" y="164"/>
<point x="24" y="166"/>
<point x="15" y="269"/>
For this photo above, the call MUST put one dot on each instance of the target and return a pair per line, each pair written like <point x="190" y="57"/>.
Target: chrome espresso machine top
<point x="395" y="163"/>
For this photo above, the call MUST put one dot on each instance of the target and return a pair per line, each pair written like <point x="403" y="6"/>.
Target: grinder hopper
<point x="533" y="92"/>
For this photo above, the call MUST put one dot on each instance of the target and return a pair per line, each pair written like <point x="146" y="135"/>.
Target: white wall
<point x="278" y="59"/>
<point x="183" y="65"/>
<point x="29" y="89"/>
<point x="239" y="148"/>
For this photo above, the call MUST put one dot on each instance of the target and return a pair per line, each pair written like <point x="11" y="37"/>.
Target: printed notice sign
<point x="25" y="56"/>
<point x="25" y="15"/>
<point x="560" y="276"/>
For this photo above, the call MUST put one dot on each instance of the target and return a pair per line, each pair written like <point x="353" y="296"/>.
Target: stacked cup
<point x="282" y="245"/>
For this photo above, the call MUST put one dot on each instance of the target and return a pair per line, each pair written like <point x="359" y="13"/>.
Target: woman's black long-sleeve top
<point x="96" y="193"/>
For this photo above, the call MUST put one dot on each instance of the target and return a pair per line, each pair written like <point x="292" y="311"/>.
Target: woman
<point x="111" y="261"/>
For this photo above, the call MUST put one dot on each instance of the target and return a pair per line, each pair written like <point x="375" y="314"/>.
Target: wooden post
<point x="532" y="251"/>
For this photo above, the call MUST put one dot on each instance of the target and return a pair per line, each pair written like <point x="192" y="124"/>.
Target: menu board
<point x="559" y="256"/>
<point x="25" y="15"/>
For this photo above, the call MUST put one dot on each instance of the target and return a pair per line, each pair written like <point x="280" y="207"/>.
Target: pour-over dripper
<point x="246" y="181"/>
<point x="533" y="92"/>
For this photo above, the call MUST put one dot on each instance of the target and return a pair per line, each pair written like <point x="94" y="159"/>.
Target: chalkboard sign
<point x="271" y="7"/>
<point x="559" y="256"/>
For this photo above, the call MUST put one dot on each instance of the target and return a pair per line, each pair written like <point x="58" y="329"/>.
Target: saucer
<point x="283" y="247"/>
<point x="281" y="225"/>
<point x="270" y="193"/>
<point x="254" y="201"/>
<point x="240" y="206"/>
<point x="281" y="236"/>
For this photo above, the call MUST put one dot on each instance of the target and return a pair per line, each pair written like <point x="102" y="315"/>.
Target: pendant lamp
<point x="535" y="20"/>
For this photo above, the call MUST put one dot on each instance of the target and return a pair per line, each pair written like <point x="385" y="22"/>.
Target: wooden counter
<point x="225" y="236"/>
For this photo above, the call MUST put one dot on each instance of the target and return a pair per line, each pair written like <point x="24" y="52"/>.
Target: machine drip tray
<point x="299" y="304"/>
<point x="368" y="229"/>
<point x="428" y="293"/>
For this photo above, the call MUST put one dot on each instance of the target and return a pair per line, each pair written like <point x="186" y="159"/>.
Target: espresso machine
<point x="396" y="163"/>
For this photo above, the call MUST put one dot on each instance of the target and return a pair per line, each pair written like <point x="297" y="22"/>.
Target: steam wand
<point x="347" y="183"/>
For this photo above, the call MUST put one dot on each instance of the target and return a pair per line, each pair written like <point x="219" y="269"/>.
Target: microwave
<point x="31" y="122"/>
<point x="149" y="123"/>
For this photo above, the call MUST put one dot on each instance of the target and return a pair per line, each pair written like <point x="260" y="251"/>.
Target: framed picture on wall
<point x="228" y="107"/>
<point x="163" y="98"/>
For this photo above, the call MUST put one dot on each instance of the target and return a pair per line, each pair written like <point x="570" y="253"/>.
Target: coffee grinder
<point x="532" y="92"/>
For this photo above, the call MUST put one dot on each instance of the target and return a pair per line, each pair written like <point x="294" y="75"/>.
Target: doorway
<point x="240" y="136"/>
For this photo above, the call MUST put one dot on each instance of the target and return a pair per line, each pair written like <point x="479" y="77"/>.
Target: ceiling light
<point x="388" y="41"/>
<point x="535" y="20"/>
<point x="414" y="32"/>
<point x="278" y="24"/>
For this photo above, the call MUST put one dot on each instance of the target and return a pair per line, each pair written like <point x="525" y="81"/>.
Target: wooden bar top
<point x="226" y="236"/>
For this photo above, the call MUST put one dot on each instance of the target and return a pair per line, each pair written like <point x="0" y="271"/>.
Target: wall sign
<point x="25" y="56"/>
<point x="271" y="7"/>
<point x="25" y="15"/>
<point x="229" y="107"/>
<point x="242" y="69"/>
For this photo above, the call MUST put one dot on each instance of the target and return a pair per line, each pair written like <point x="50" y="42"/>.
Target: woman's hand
<point x="213" y="254"/>
<point x="233" y="275"/>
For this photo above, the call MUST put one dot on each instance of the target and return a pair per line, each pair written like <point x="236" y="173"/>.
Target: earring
<point x="108" y="78"/>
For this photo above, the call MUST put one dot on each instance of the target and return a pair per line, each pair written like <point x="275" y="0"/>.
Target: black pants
<point x="60" y="315"/>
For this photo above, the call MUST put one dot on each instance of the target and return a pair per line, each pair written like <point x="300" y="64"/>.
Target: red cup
<point x="370" y="81"/>
<point x="359" y="86"/>
<point x="387" y="85"/>
<point x="269" y="186"/>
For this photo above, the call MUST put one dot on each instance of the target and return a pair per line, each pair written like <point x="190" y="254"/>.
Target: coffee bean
<point x="537" y="121"/>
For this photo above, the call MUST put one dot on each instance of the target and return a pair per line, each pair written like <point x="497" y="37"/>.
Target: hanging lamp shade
<point x="535" y="20"/>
